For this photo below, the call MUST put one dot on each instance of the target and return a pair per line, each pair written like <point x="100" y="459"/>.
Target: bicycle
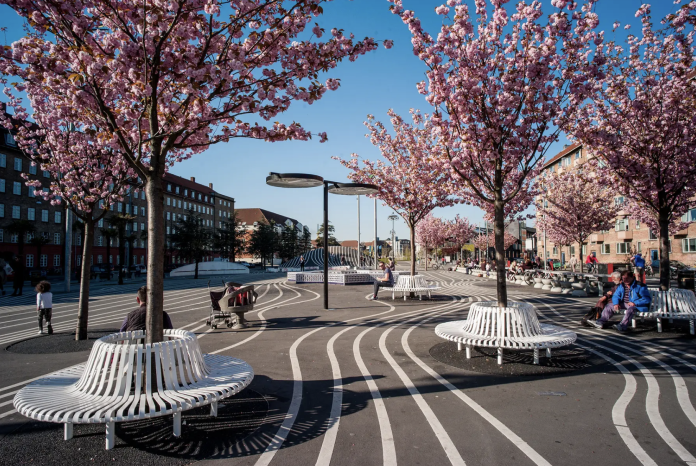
<point x="592" y="268"/>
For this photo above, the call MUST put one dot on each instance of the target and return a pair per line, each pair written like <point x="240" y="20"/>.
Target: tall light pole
<point x="393" y="218"/>
<point x="359" y="254"/>
<point x="375" y="251"/>
<point x="303" y="180"/>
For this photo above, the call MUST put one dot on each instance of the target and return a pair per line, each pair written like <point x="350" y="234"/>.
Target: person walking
<point x="301" y="263"/>
<point x="638" y="262"/>
<point x="44" y="305"/>
<point x="3" y="275"/>
<point x="18" y="282"/>
<point x="573" y="262"/>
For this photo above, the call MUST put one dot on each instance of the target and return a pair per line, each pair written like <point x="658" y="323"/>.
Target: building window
<point x="167" y="230"/>
<point x="46" y="174"/>
<point x="555" y="250"/>
<point x="169" y="188"/>
<point x="185" y="192"/>
<point x="689" y="245"/>
<point x="2" y="235"/>
<point x="142" y="195"/>
<point x="638" y="248"/>
<point x="18" y="164"/>
<point x="606" y="248"/>
<point x="16" y="211"/>
<point x="690" y="216"/>
<point x="99" y="259"/>
<point x="14" y="238"/>
<point x="2" y="210"/>
<point x="78" y="260"/>
<point x="2" y="185"/>
<point x="621" y="225"/>
<point x="142" y="211"/>
<point x="56" y="260"/>
<point x="653" y="236"/>
<point x="32" y="169"/>
<point x="56" y="238"/>
<point x="118" y="260"/>
<point x="637" y="224"/>
<point x="101" y="223"/>
<point x="100" y="242"/>
<point x="58" y="217"/>
<point x="618" y="201"/>
<point x="572" y="251"/>
<point x="622" y="248"/>
<point x="78" y="240"/>
<point x="30" y="192"/>
<point x="31" y="213"/>
<point x="3" y="160"/>
<point x="43" y="260"/>
<point x="17" y="188"/>
<point x="119" y="207"/>
<point x="142" y="226"/>
<point x="565" y="161"/>
<point x="30" y="260"/>
<point x="44" y="215"/>
<point x="169" y="216"/>
<point x="128" y="208"/>
<point x="177" y="190"/>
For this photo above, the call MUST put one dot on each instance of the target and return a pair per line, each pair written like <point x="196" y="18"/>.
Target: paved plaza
<point x="369" y="382"/>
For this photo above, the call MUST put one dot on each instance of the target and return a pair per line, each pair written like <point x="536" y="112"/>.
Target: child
<point x="44" y="305"/>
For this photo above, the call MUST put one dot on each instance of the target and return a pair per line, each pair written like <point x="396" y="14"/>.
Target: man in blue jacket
<point x="633" y="296"/>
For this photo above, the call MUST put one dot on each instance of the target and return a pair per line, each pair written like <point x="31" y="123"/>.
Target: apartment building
<point x="18" y="202"/>
<point x="181" y="196"/>
<point x="627" y="237"/>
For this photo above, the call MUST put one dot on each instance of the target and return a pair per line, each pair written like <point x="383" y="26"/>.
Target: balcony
<point x="623" y="235"/>
<point x="598" y="238"/>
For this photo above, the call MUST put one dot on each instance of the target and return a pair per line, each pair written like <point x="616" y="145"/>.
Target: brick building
<point x="250" y="219"/>
<point x="628" y="236"/>
<point x="182" y="195"/>
<point x="17" y="202"/>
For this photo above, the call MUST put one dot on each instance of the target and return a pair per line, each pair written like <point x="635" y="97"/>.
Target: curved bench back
<point x="518" y="320"/>
<point x="122" y="363"/>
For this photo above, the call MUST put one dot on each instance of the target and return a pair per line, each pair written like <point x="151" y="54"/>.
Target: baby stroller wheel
<point x="214" y="326"/>
<point x="207" y="322"/>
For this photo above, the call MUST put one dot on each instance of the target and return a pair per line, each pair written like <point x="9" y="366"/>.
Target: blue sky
<point x="374" y="83"/>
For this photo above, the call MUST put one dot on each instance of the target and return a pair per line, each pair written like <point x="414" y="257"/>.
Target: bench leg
<point x="536" y="356"/>
<point x="110" y="435"/>
<point x="659" y="324"/>
<point x="468" y="352"/>
<point x="500" y="356"/>
<point x="633" y="323"/>
<point x="548" y="352"/>
<point x="691" y="327"/>
<point x="177" y="424"/>
<point x="459" y="346"/>
<point x="213" y="409"/>
<point x="67" y="431"/>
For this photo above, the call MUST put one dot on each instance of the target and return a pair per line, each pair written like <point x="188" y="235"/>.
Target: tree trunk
<point x="663" y="222"/>
<point x="499" y="230"/>
<point x="426" y="257"/>
<point x="195" y="273"/>
<point x="155" y="252"/>
<point x="413" y="249"/>
<point x="83" y="307"/>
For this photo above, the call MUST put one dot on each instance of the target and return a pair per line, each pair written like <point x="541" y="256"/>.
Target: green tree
<point x="332" y="239"/>
<point x="192" y="239"/>
<point x="305" y="241"/>
<point x="39" y="242"/>
<point x="109" y="234"/>
<point x="119" y="222"/>
<point x="228" y="240"/>
<point x="264" y="242"/>
<point x="289" y="243"/>
<point x="20" y="228"/>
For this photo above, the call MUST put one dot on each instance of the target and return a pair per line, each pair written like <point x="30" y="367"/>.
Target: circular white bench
<point x="513" y="327"/>
<point x="126" y="380"/>
<point x="411" y="284"/>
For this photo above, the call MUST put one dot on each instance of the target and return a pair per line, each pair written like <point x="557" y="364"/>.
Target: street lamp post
<point x="393" y="218"/>
<point x="304" y="180"/>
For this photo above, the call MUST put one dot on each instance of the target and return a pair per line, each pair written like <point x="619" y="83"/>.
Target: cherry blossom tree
<point x="483" y="242"/>
<point x="575" y="204"/>
<point x="408" y="181"/>
<point x="459" y="231"/>
<point x="640" y="121"/>
<point x="159" y="81"/>
<point x="502" y="86"/>
<point x="430" y="232"/>
<point x="86" y="177"/>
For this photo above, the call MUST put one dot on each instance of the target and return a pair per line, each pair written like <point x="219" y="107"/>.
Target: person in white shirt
<point x="44" y="305"/>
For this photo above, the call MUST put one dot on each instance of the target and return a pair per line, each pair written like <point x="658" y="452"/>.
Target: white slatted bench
<point x="514" y="327"/>
<point x="411" y="284"/>
<point x="672" y="304"/>
<point x="126" y="380"/>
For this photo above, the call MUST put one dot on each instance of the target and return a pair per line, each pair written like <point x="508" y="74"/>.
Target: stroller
<point x="234" y="298"/>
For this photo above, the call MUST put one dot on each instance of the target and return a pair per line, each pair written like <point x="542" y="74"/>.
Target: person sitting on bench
<point x="386" y="281"/>
<point x="135" y="320"/>
<point x="631" y="295"/>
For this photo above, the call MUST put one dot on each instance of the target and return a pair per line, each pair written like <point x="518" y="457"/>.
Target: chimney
<point x="210" y="185"/>
<point x="193" y="178"/>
